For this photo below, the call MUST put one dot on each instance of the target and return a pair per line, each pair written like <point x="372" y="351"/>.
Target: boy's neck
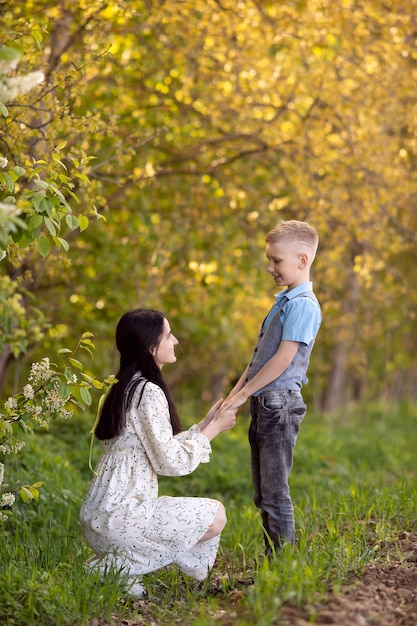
<point x="305" y="278"/>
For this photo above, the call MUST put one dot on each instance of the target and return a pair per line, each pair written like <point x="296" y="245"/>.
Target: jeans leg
<point x="255" y="465"/>
<point x="275" y="423"/>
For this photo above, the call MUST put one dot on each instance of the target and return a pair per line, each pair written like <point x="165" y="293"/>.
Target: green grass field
<point x="353" y="486"/>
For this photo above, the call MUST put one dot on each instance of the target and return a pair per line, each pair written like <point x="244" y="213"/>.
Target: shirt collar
<point x="292" y="293"/>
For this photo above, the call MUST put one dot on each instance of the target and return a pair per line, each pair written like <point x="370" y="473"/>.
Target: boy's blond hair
<point x="295" y="232"/>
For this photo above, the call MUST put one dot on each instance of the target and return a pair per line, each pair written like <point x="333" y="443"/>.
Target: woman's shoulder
<point x="151" y="388"/>
<point x="148" y="391"/>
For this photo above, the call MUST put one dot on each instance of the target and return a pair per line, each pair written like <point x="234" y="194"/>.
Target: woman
<point x="122" y="518"/>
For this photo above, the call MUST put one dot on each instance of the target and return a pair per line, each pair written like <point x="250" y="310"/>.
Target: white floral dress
<point x="122" y="518"/>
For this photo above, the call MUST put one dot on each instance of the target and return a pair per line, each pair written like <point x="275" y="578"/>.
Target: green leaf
<point x="37" y="201"/>
<point x="34" y="492"/>
<point x="64" y="390"/>
<point x="72" y="221"/>
<point x="47" y="206"/>
<point x="4" y="110"/>
<point x="41" y="183"/>
<point x="50" y="225"/>
<point x="35" y="222"/>
<point x="10" y="54"/>
<point x="86" y="396"/>
<point x="8" y="182"/>
<point x="26" y="494"/>
<point x="82" y="177"/>
<point x="44" y="246"/>
<point x="97" y="384"/>
<point x="76" y="394"/>
<point x="61" y="177"/>
<point x="87" y="342"/>
<point x="83" y="221"/>
<point x="76" y="363"/>
<point x="19" y="171"/>
<point x="89" y="350"/>
<point x="64" y="243"/>
<point x="37" y="37"/>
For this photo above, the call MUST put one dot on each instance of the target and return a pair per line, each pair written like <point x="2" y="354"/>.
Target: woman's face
<point x="164" y="353"/>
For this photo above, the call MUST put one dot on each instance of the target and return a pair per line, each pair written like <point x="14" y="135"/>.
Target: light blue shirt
<point x="300" y="321"/>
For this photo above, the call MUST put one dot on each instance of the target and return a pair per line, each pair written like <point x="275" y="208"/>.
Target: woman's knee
<point x="218" y="523"/>
<point x="220" y="519"/>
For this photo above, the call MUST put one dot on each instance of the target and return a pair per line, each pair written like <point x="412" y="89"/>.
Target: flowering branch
<point x="47" y="396"/>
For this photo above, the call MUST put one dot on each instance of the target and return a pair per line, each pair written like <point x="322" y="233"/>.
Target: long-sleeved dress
<point x="122" y="518"/>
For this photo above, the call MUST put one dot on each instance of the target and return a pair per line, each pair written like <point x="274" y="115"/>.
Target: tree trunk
<point x="333" y="395"/>
<point x="4" y="363"/>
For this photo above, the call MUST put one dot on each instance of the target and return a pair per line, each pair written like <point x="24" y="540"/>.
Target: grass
<point x="354" y="489"/>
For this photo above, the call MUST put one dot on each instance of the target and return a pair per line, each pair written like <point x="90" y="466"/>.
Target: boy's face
<point x="286" y="265"/>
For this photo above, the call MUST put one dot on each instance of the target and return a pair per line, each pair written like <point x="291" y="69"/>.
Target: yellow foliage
<point x="211" y="122"/>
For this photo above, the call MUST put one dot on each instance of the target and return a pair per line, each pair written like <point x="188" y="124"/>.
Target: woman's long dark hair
<point x="137" y="332"/>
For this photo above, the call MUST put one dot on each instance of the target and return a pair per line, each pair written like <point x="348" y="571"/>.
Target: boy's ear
<point x="302" y="260"/>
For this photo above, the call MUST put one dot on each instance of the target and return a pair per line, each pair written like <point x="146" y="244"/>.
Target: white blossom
<point x="11" y="403"/>
<point x="9" y="209"/>
<point x="3" y="162"/>
<point x="66" y="415"/>
<point x="53" y="400"/>
<point x="8" y="65"/>
<point x="11" y="88"/>
<point x="34" y="409"/>
<point x="12" y="448"/>
<point x="40" y="372"/>
<point x="43" y="422"/>
<point x="7" y="499"/>
<point x="28" y="392"/>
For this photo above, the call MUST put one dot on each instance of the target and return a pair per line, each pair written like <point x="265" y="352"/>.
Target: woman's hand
<point x="222" y="419"/>
<point x="210" y="415"/>
<point x="225" y="418"/>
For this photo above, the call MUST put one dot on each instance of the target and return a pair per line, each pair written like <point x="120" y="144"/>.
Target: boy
<point x="274" y="378"/>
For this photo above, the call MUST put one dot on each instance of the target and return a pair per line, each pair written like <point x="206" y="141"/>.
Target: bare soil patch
<point x="385" y="595"/>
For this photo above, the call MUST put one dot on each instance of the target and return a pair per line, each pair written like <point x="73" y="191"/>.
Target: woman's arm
<point x="172" y="455"/>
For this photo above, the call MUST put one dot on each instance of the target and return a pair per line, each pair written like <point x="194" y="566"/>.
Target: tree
<point x="210" y="121"/>
<point x="33" y="211"/>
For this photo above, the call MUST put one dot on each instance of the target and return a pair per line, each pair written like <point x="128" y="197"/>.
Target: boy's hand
<point x="212" y="412"/>
<point x="234" y="402"/>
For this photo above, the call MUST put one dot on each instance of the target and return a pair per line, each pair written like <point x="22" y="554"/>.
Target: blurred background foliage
<point x="179" y="132"/>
